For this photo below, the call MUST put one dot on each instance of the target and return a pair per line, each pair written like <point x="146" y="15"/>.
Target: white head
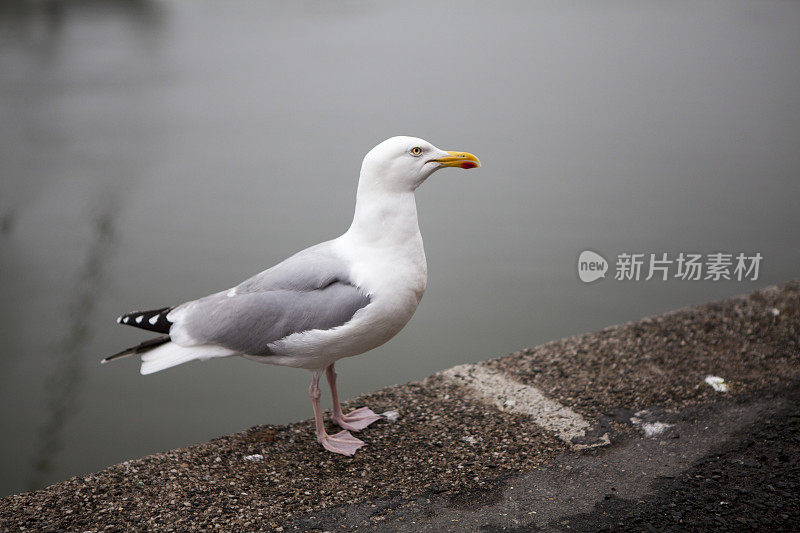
<point x="401" y="164"/>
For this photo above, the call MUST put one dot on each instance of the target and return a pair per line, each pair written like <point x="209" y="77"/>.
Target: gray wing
<point x="313" y="268"/>
<point x="310" y="290"/>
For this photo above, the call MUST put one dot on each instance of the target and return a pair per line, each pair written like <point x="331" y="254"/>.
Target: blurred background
<point x="154" y="152"/>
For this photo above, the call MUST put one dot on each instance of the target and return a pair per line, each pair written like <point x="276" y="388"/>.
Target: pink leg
<point x="343" y="442"/>
<point x="355" y="420"/>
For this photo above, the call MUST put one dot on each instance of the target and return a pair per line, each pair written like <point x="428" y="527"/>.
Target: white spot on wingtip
<point x="119" y="320"/>
<point x="717" y="383"/>
<point x="139" y="319"/>
<point x="126" y="319"/>
<point x="231" y="293"/>
<point x="154" y="319"/>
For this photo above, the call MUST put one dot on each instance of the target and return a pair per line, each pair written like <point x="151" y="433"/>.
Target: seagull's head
<point x="401" y="164"/>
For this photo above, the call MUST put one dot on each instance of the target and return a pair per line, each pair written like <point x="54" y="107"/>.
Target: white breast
<point x="393" y="276"/>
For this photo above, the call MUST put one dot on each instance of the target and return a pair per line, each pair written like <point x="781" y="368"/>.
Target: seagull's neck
<point x="385" y="242"/>
<point x="385" y="218"/>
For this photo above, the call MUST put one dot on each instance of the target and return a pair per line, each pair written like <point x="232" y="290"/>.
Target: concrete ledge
<point x="458" y="434"/>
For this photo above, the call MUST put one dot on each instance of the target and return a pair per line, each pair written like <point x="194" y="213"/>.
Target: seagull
<point x="336" y="299"/>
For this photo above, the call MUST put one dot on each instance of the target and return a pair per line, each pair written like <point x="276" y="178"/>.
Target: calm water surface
<point x="155" y="152"/>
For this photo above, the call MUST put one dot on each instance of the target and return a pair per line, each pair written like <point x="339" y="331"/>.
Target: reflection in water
<point x="36" y="25"/>
<point x="37" y="39"/>
<point x="24" y="17"/>
<point x="39" y="26"/>
<point x="46" y="77"/>
<point x="67" y="373"/>
<point x="7" y="223"/>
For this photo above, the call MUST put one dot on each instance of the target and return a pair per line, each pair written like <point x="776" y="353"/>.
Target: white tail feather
<point x="171" y="354"/>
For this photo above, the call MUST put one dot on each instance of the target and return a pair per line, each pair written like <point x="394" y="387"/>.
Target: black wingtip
<point x="143" y="347"/>
<point x="123" y="353"/>
<point x="153" y="320"/>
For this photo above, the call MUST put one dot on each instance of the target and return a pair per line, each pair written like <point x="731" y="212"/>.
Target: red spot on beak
<point x="468" y="164"/>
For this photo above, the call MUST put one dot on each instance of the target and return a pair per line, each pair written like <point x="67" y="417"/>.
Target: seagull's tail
<point x="170" y="354"/>
<point x="159" y="353"/>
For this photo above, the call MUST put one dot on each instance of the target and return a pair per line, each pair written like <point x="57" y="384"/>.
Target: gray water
<point x="155" y="152"/>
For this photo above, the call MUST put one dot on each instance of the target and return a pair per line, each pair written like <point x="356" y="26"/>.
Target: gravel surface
<point x="750" y="483"/>
<point x="444" y="442"/>
<point x="640" y="483"/>
<point x="213" y="485"/>
<point x="751" y="341"/>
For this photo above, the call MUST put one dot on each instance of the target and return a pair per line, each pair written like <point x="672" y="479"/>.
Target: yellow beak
<point x="459" y="159"/>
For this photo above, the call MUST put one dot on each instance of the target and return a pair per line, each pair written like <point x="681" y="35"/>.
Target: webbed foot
<point x="357" y="420"/>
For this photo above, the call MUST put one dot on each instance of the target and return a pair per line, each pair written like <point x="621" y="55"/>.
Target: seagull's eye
<point x="416" y="151"/>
